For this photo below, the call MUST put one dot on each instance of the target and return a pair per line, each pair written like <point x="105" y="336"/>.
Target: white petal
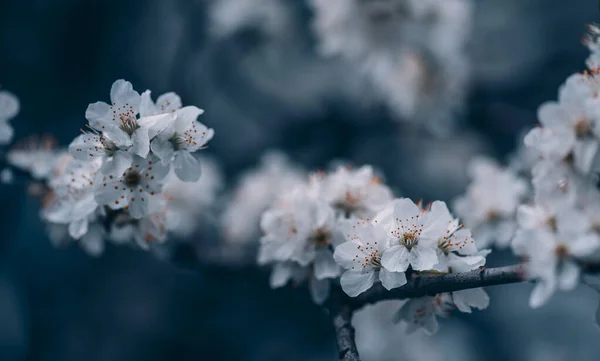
<point x="168" y="102"/>
<point x="78" y="228"/>
<point x="157" y="123"/>
<point x="552" y="115"/>
<point x="476" y="298"/>
<point x="6" y="133"/>
<point x="163" y="149"/>
<point x="186" y="116"/>
<point x="186" y="166"/>
<point x="122" y="92"/>
<point x="147" y="107"/>
<point x="423" y="258"/>
<point x="584" y="153"/>
<point x="319" y="290"/>
<point x="405" y="208"/>
<point x="541" y="293"/>
<point x="98" y="115"/>
<point x="86" y="147"/>
<point x="325" y="265"/>
<point x="9" y="105"/>
<point x="552" y="144"/>
<point x="355" y="282"/>
<point x="141" y="142"/>
<point x="391" y="280"/>
<point x="117" y="165"/>
<point x="395" y="258"/>
<point x="568" y="276"/>
<point x="281" y="274"/>
<point x="106" y="193"/>
<point x="585" y="245"/>
<point x="93" y="242"/>
<point x="138" y="208"/>
<point x="346" y="252"/>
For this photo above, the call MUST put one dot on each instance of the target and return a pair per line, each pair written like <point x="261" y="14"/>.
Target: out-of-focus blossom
<point x="189" y="203"/>
<point x="412" y="52"/>
<point x="255" y="192"/>
<point x="9" y="108"/>
<point x="553" y="250"/>
<point x="36" y="155"/>
<point x="490" y="203"/>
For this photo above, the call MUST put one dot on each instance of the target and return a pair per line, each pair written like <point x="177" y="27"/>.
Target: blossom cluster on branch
<point x="346" y="224"/>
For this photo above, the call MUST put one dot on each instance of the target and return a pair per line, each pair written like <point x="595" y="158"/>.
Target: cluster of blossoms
<point x="121" y="178"/>
<point x="559" y="229"/>
<point x="347" y="224"/>
<point x="412" y="52"/>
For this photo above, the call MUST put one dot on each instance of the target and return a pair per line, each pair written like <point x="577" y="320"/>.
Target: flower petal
<point x="355" y="282"/>
<point x="391" y="280"/>
<point x="395" y="258"/>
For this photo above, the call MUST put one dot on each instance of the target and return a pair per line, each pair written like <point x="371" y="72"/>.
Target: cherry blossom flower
<point x="569" y="128"/>
<point x="36" y="155"/>
<point x="254" y="193"/>
<point x="73" y="198"/>
<point x="414" y="234"/>
<point x="353" y="192"/>
<point x="489" y="205"/>
<point x="116" y="131"/>
<point x="188" y="203"/>
<point x="133" y="188"/>
<point x="181" y="137"/>
<point x="422" y="312"/>
<point x="284" y="272"/>
<point x="361" y="256"/>
<point x="301" y="230"/>
<point x="553" y="251"/>
<point x="9" y="108"/>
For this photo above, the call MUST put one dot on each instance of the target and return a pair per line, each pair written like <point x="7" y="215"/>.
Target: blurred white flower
<point x="422" y="312"/>
<point x="491" y="200"/>
<point x="73" y="198"/>
<point x="36" y="155"/>
<point x="6" y="176"/>
<point x="411" y="51"/>
<point x="353" y="192"/>
<point x="569" y="127"/>
<point x="254" y="193"/>
<point x="9" y="108"/>
<point x="553" y="252"/>
<point x="188" y="203"/>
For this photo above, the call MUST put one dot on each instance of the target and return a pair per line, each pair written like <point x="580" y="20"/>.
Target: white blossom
<point x="412" y="52"/>
<point x="181" y="137"/>
<point x="9" y="108"/>
<point x="256" y="190"/>
<point x="491" y="200"/>
<point x="188" y="203"/>
<point x="361" y="256"/>
<point x="116" y="130"/>
<point x="133" y="188"/>
<point x="553" y="251"/>
<point x="422" y="312"/>
<point x="36" y="155"/>
<point x="353" y="192"/>
<point x="414" y="234"/>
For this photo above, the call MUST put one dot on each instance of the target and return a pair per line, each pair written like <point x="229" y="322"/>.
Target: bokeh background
<point x="261" y="92"/>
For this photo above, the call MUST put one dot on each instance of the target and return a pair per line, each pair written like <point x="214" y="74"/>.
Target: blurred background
<point x="260" y="71"/>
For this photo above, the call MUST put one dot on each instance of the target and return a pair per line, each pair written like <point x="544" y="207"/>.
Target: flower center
<point x="492" y="215"/>
<point x="133" y="178"/>
<point x="409" y="239"/>
<point x="561" y="251"/>
<point x="321" y="238"/>
<point x="128" y="124"/>
<point x="582" y="128"/>
<point x="552" y="223"/>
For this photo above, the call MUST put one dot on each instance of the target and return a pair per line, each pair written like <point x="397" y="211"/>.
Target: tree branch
<point x="432" y="285"/>
<point x="340" y="312"/>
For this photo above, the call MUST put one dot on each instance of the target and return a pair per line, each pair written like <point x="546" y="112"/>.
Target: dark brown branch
<point x="432" y="285"/>
<point x="341" y="312"/>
